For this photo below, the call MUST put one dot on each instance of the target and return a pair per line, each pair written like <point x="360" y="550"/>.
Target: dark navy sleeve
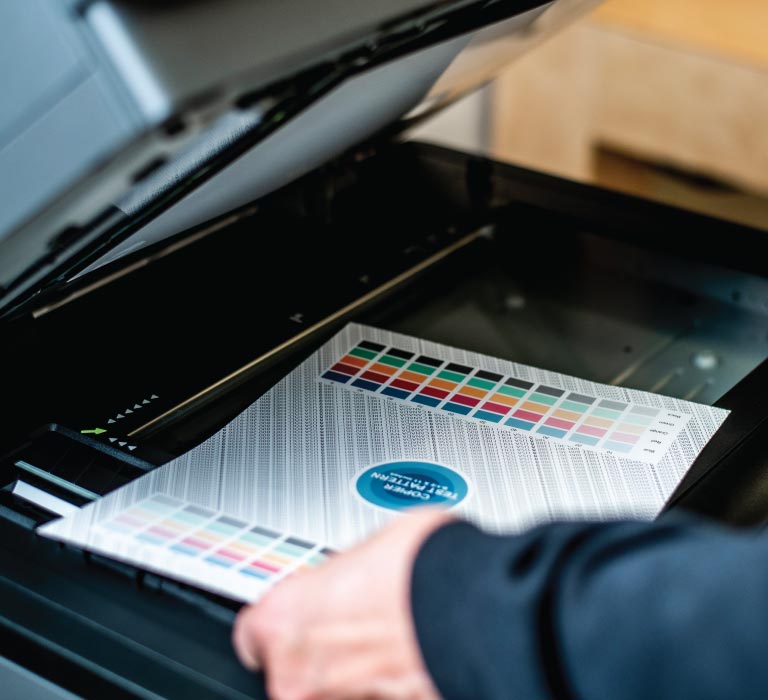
<point x="671" y="610"/>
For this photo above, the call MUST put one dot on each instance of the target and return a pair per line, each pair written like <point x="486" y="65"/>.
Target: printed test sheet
<point x="374" y="423"/>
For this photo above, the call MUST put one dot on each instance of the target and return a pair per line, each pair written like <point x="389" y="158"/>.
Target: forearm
<point x="620" y="611"/>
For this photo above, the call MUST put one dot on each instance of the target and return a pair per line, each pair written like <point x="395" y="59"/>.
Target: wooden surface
<point x="638" y="177"/>
<point x="633" y="80"/>
<point x="543" y="107"/>
<point x="736" y="29"/>
<point x="683" y="108"/>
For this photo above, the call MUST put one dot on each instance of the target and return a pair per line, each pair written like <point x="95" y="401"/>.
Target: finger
<point x="347" y="662"/>
<point x="361" y="681"/>
<point x="245" y="638"/>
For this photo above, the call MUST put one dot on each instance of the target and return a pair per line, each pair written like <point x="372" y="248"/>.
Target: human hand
<point x="344" y="630"/>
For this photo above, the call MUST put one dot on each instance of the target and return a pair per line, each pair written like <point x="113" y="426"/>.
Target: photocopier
<point x="196" y="195"/>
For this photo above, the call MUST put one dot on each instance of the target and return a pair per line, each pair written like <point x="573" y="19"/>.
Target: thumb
<point x="245" y="638"/>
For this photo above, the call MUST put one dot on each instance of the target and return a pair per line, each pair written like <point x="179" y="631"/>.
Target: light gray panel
<point x="244" y="43"/>
<point x="39" y="62"/>
<point x="338" y="121"/>
<point x="57" y="150"/>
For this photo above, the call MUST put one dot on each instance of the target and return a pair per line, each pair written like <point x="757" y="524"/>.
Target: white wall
<point x="463" y="125"/>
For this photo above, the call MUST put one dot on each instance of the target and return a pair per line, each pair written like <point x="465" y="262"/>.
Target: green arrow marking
<point x="95" y="431"/>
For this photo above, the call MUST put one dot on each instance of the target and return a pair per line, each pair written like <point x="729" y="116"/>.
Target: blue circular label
<point x="406" y="484"/>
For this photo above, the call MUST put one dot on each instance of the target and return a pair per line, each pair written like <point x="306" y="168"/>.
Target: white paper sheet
<point x="343" y="442"/>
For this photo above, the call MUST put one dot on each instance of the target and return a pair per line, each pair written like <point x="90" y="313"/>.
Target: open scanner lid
<point x="127" y="122"/>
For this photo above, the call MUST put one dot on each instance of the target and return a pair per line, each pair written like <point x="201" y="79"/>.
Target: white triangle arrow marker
<point x="122" y="443"/>
<point x="131" y="447"/>
<point x="111" y="420"/>
<point x="119" y="416"/>
<point x="154" y="396"/>
<point x="113" y="439"/>
<point x="135" y="406"/>
<point x="128" y="410"/>
<point x="145" y="401"/>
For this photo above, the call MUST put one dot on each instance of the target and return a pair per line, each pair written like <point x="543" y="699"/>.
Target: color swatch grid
<point x="625" y="429"/>
<point x="215" y="539"/>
